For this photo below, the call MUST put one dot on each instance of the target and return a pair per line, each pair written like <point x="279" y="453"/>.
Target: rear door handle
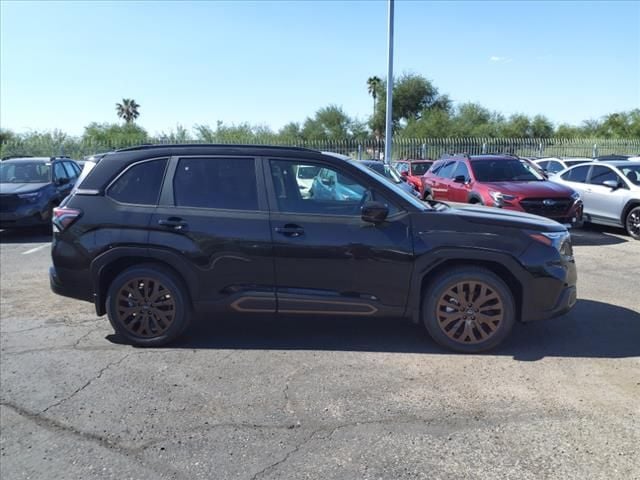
<point x="174" y="223"/>
<point x="290" y="230"/>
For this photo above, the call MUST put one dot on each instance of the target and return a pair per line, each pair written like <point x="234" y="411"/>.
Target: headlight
<point x="561" y="241"/>
<point x="31" y="197"/>
<point x="575" y="196"/>
<point x="499" y="198"/>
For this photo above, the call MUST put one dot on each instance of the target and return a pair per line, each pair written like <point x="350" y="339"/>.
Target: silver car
<point x="610" y="192"/>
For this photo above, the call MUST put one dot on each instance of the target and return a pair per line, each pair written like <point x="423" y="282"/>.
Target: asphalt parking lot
<point x="320" y="398"/>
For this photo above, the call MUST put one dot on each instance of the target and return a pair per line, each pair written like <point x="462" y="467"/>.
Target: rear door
<point x="604" y="202"/>
<point x="213" y="213"/>
<point x="327" y="259"/>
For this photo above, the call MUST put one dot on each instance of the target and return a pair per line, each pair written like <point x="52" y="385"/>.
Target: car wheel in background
<point x="632" y="222"/>
<point x="468" y="309"/>
<point x="148" y="306"/>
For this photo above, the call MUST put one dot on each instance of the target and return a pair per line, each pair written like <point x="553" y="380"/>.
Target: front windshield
<point x="399" y="191"/>
<point x="25" y="172"/>
<point x="420" y="168"/>
<point x="505" y="170"/>
<point x="632" y="172"/>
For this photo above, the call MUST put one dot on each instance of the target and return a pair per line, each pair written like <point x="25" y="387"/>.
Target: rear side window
<point x="140" y="184"/>
<point x="578" y="174"/>
<point x="227" y="183"/>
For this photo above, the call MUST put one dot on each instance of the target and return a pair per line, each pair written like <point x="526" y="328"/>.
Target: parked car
<point x="413" y="170"/>
<point x="502" y="181"/>
<point x="552" y="165"/>
<point x="610" y="192"/>
<point x="615" y="158"/>
<point x="155" y="233"/>
<point x="390" y="173"/>
<point x="31" y="186"/>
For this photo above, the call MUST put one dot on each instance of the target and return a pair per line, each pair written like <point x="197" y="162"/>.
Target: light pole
<point x="388" y="131"/>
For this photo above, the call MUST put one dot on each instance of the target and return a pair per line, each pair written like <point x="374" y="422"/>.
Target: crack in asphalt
<point x="132" y="453"/>
<point x="91" y="380"/>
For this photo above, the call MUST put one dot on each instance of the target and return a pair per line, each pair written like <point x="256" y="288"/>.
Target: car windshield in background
<point x="25" y="172"/>
<point x="420" y="168"/>
<point x="632" y="172"/>
<point x="386" y="171"/>
<point x="512" y="170"/>
<point x="307" y="172"/>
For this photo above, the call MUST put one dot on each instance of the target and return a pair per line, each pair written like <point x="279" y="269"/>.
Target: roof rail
<point x="149" y="146"/>
<point x="454" y="155"/>
<point x="16" y="156"/>
<point x="59" y="156"/>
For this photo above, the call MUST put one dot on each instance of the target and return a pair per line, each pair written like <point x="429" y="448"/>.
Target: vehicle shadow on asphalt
<point x="26" y="235"/>
<point x="591" y="329"/>
<point x="592" y="235"/>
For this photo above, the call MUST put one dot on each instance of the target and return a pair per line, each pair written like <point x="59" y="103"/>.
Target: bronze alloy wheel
<point x="470" y="312"/>
<point x="145" y="307"/>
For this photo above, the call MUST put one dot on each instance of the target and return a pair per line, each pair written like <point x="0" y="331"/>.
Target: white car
<point x="551" y="165"/>
<point x="610" y="192"/>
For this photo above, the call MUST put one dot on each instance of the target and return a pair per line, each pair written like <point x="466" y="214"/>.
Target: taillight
<point x="63" y="217"/>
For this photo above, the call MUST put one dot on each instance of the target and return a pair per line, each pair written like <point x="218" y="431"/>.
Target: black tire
<point x="133" y="312"/>
<point x="632" y="222"/>
<point x="480" y="284"/>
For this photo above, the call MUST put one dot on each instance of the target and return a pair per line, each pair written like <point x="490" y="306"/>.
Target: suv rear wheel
<point x="633" y="222"/>
<point x="148" y="306"/>
<point x="469" y="310"/>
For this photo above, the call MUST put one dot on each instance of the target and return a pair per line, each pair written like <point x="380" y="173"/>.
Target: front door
<point x="605" y="203"/>
<point x="459" y="185"/>
<point x="327" y="259"/>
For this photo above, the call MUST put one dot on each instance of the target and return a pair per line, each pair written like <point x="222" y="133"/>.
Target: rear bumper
<point x="70" y="284"/>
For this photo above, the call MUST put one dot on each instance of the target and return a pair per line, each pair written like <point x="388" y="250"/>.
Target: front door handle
<point x="290" y="230"/>
<point x="174" y="223"/>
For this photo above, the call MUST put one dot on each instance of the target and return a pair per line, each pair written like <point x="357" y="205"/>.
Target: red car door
<point x="459" y="183"/>
<point x="440" y="188"/>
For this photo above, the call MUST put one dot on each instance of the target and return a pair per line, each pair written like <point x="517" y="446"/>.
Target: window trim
<point x="273" y="200"/>
<point x="167" y="195"/>
<point x="130" y="166"/>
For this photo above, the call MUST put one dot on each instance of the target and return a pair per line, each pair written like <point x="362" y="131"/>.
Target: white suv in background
<point x="610" y="192"/>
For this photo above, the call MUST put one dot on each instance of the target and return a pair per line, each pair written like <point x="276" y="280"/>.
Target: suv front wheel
<point x="148" y="306"/>
<point x="468" y="309"/>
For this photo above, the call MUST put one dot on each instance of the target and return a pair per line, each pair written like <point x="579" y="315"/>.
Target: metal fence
<point x="370" y="148"/>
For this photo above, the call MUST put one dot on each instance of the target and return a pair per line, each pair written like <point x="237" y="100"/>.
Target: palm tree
<point x="128" y="110"/>
<point x="373" y="84"/>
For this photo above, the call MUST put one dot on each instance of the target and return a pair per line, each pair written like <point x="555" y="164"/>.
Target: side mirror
<point x="612" y="184"/>
<point x="404" y="173"/>
<point x="374" y="212"/>
<point x="62" y="181"/>
<point x="460" y="179"/>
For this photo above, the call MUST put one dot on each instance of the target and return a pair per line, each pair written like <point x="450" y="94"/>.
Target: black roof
<point x="113" y="162"/>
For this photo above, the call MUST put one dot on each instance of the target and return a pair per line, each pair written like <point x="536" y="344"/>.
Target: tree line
<point x="419" y="111"/>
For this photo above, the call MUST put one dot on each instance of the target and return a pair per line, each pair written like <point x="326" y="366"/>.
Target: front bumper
<point x="24" y="217"/>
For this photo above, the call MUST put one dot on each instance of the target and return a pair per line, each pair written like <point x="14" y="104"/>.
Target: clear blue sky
<point x="65" y="64"/>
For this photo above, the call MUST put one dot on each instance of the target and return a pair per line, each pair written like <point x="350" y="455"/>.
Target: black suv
<point x="31" y="186"/>
<point x="154" y="233"/>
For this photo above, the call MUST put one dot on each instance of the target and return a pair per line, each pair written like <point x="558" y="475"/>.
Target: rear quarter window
<point x="139" y="184"/>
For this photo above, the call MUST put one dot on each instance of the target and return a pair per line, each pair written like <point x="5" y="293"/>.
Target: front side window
<point x="225" y="183"/>
<point x="577" y="174"/>
<point x="140" y="184"/>
<point x="330" y="192"/>
<point x="461" y="170"/>
<point x="446" y="170"/>
<point x="601" y="174"/>
<point x="59" y="172"/>
<point x="554" y="167"/>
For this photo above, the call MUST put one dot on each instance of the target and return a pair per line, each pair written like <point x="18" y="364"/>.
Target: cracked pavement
<point x="324" y="398"/>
